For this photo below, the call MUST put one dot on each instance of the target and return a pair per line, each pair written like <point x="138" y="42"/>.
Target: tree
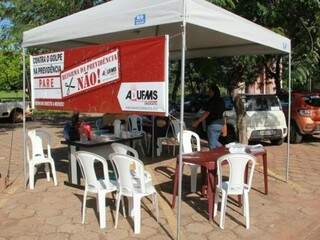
<point x="22" y="15"/>
<point x="299" y="20"/>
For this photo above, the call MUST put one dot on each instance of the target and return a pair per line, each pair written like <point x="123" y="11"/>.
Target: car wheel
<point x="295" y="135"/>
<point x="277" y="141"/>
<point x="16" y="116"/>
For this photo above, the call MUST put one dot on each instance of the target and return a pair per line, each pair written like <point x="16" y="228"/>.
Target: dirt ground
<point x="290" y="210"/>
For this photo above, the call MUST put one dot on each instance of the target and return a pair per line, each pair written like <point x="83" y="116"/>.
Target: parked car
<point x="13" y="110"/>
<point x="264" y="117"/>
<point x="193" y="103"/>
<point x="305" y="114"/>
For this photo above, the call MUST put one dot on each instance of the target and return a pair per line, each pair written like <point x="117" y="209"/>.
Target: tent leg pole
<point x="183" y="52"/>
<point x="152" y="139"/>
<point x="24" y="117"/>
<point x="289" y="122"/>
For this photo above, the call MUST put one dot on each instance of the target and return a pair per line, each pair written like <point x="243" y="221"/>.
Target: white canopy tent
<point x="205" y="29"/>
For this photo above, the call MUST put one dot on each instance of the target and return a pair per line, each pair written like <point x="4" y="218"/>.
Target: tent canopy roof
<point x="211" y="30"/>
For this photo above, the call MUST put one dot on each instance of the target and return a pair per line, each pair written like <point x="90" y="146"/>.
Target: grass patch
<point x="11" y="94"/>
<point x="49" y="114"/>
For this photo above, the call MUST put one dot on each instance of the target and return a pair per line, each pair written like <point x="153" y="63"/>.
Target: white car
<point x="13" y="110"/>
<point x="264" y="117"/>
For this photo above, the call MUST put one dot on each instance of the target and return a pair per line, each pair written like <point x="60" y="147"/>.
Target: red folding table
<point x="207" y="160"/>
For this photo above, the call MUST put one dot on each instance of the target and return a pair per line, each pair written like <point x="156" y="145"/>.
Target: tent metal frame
<point x="183" y="56"/>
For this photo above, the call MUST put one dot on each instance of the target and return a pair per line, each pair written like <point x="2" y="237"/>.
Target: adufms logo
<point x="142" y="96"/>
<point x="149" y="97"/>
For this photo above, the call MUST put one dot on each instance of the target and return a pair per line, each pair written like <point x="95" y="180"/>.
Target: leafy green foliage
<point x="24" y="15"/>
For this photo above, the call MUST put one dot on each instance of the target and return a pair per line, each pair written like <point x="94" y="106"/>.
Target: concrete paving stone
<point x="242" y="233"/>
<point x="71" y="228"/>
<point x="150" y="222"/>
<point x="72" y="212"/>
<point x="5" y="221"/>
<point x="28" y="198"/>
<point x="86" y="236"/>
<point x="27" y="238"/>
<point x="198" y="217"/>
<point x="294" y="204"/>
<point x="116" y="234"/>
<point x="48" y="212"/>
<point x="146" y="232"/>
<point x="46" y="229"/>
<point x="22" y="227"/>
<point x="192" y="236"/>
<point x="219" y="234"/>
<point x="58" y="220"/>
<point x="16" y="208"/>
<point x="199" y="227"/>
<point x="313" y="234"/>
<point x="21" y="213"/>
<point x="10" y="231"/>
<point x="55" y="236"/>
<point x="186" y="220"/>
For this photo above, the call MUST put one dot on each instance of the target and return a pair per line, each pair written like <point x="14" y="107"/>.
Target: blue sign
<point x="140" y="19"/>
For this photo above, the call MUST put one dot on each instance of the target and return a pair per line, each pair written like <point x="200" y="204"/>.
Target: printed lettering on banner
<point x="98" y="71"/>
<point x="47" y="88"/>
<point x="143" y="97"/>
<point x="47" y="65"/>
<point x="45" y="76"/>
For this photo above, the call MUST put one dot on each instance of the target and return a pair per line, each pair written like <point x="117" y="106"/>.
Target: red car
<point x="305" y="114"/>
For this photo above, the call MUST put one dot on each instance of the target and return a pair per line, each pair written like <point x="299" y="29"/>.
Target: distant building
<point x="262" y="85"/>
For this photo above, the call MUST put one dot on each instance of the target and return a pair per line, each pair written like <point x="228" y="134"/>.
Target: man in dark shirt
<point x="214" y="117"/>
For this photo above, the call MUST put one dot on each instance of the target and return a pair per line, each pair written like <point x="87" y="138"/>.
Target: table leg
<point x="73" y="171"/>
<point x="203" y="181"/>
<point x="210" y="192"/>
<point x="265" y="172"/>
<point x="175" y="185"/>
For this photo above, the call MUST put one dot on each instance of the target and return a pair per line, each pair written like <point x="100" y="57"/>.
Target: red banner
<point x="128" y="76"/>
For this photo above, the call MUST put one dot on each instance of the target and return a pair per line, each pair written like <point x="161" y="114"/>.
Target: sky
<point x="5" y="23"/>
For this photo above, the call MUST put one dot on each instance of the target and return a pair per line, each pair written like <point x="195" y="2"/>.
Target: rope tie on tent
<point x="7" y="177"/>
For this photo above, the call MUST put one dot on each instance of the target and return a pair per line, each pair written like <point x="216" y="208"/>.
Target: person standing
<point x="214" y="117"/>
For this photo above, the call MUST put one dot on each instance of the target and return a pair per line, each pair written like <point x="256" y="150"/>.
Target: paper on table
<point x="243" y="148"/>
<point x="256" y="148"/>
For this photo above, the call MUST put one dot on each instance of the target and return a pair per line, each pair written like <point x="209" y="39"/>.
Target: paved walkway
<point x="290" y="211"/>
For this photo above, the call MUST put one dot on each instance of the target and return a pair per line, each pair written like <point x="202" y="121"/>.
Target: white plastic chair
<point x="117" y="127"/>
<point x="235" y="185"/>
<point x="132" y="184"/>
<point x="135" y="123"/>
<point x="100" y="187"/>
<point x="126" y="150"/>
<point x="36" y="138"/>
<point x="175" y="128"/>
<point x="98" y="123"/>
<point x="188" y="147"/>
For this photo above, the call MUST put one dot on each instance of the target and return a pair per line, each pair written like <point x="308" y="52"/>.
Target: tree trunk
<point x="277" y="75"/>
<point x="241" y="119"/>
<point x="176" y="82"/>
